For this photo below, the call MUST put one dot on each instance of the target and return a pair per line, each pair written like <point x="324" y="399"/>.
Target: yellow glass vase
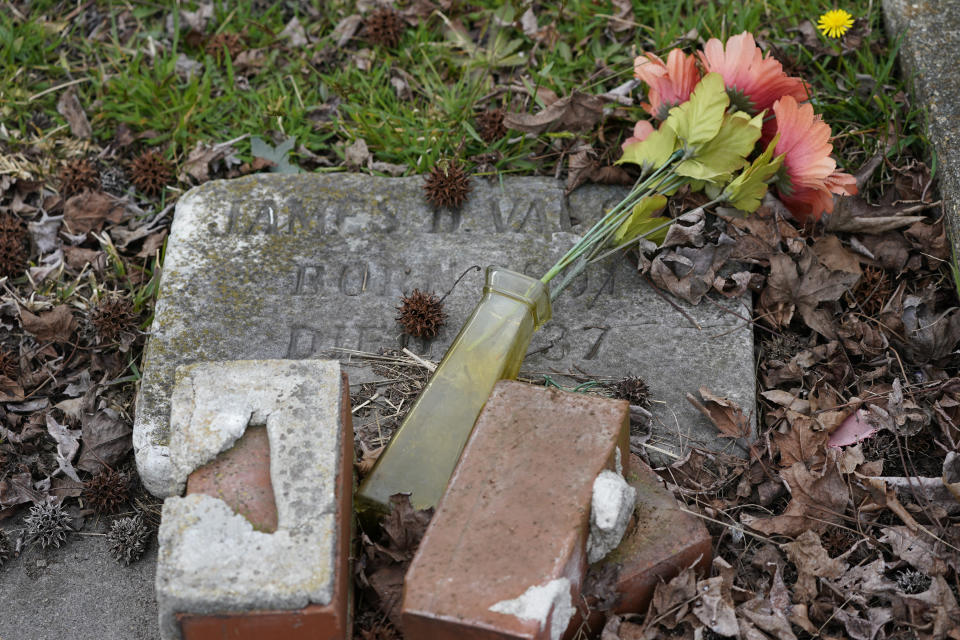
<point x="491" y="345"/>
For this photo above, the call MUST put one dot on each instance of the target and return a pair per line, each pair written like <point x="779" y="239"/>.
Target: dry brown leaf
<point x="804" y="441"/>
<point x="347" y="28"/>
<point x="758" y="235"/>
<point x="357" y="155"/>
<point x="770" y="613"/>
<point x="583" y="166"/>
<point x="714" y="607"/>
<point x="864" y="629"/>
<point x="854" y="214"/>
<point x="387" y="582"/>
<point x="671" y="600"/>
<point x="576" y="112"/>
<point x="622" y="18"/>
<point x="931" y="241"/>
<point x="816" y="502"/>
<point x="78" y="257"/>
<point x="152" y="244"/>
<point x="886" y="497"/>
<point x="17" y="489"/>
<point x="70" y="108"/>
<point x="891" y="250"/>
<point x="249" y="61"/>
<point x="106" y="440"/>
<point x="787" y="399"/>
<point x="812" y="562"/>
<point x="918" y="549"/>
<point x="850" y="459"/>
<point x="931" y="335"/>
<point x="687" y="231"/>
<point x="726" y="415"/>
<point x="832" y="254"/>
<point x="56" y="325"/>
<point x="68" y="443"/>
<point x="10" y="390"/>
<point x="804" y="284"/>
<point x="689" y="272"/>
<point x="405" y="525"/>
<point x="295" y="33"/>
<point x="200" y="160"/>
<point x="89" y="210"/>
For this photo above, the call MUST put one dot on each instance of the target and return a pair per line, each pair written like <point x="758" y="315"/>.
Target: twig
<point x="423" y="363"/>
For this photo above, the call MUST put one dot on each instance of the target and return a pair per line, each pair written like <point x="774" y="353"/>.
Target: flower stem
<point x="611" y="220"/>
<point x="586" y="261"/>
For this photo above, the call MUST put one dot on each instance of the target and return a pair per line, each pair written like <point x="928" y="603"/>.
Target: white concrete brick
<point x="211" y="559"/>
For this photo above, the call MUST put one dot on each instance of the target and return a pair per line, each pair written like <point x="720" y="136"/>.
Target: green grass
<point x="450" y="77"/>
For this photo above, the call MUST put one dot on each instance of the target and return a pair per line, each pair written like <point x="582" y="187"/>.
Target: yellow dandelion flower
<point x="835" y="23"/>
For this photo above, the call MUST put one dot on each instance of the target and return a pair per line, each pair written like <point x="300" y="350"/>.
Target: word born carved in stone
<point x="355" y="278"/>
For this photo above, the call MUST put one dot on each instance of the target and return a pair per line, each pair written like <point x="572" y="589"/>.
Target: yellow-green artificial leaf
<point x="640" y="221"/>
<point x="653" y="152"/>
<point x="726" y="152"/>
<point x="698" y="120"/>
<point x="747" y="190"/>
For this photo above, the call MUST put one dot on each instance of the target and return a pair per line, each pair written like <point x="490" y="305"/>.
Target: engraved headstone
<point x="929" y="36"/>
<point x="285" y="266"/>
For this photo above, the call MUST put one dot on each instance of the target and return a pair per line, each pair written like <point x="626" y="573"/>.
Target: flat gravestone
<point x="278" y="266"/>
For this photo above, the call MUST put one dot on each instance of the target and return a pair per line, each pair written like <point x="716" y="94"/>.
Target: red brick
<point x="240" y="477"/>
<point x="661" y="542"/>
<point x="664" y="541"/>
<point x="515" y="514"/>
<point x="313" y="622"/>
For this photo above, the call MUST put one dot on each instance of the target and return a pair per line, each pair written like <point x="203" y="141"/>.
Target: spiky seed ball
<point x="107" y="491"/>
<point x="78" y="175"/>
<point x="421" y="314"/>
<point x="47" y="524"/>
<point x="912" y="581"/>
<point x="447" y="185"/>
<point x="112" y="317"/>
<point x="232" y="41"/>
<point x="490" y="125"/>
<point x="384" y="27"/>
<point x="128" y="539"/>
<point x="634" y="390"/>
<point x="113" y="180"/>
<point x="6" y="547"/>
<point x="150" y="173"/>
<point x="14" y="245"/>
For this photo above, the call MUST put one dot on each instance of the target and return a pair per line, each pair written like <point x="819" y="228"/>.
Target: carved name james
<point x="274" y="266"/>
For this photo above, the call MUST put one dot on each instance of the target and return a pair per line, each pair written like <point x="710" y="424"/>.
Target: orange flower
<point x="808" y="179"/>
<point x="641" y="130"/>
<point x="753" y="82"/>
<point x="670" y="84"/>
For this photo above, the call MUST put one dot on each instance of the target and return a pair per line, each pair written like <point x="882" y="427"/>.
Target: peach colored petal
<point x="808" y="204"/>
<point x="746" y="71"/>
<point x="641" y="130"/>
<point x="805" y="141"/>
<point x="670" y="84"/>
<point x="841" y="183"/>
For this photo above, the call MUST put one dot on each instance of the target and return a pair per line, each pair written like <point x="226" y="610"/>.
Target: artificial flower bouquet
<point x="728" y="122"/>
